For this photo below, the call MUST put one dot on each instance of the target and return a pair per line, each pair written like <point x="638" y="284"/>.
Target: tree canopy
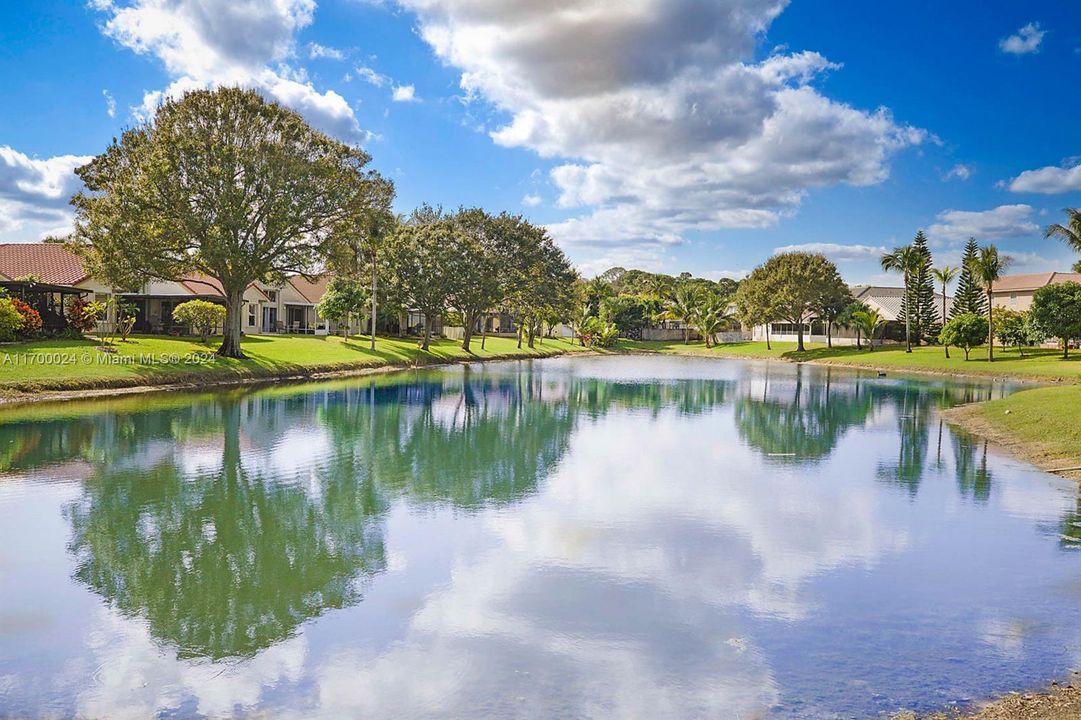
<point x="225" y="183"/>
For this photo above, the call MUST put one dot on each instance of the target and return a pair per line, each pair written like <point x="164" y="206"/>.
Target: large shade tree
<point x="794" y="282"/>
<point x="476" y="289"/>
<point x="220" y="182"/>
<point x="423" y="258"/>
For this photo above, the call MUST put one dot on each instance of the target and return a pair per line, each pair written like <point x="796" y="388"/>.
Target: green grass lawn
<point x="145" y="359"/>
<point x="1038" y="364"/>
<point x="1042" y="424"/>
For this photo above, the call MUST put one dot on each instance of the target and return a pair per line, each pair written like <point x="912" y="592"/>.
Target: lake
<point x="600" y="537"/>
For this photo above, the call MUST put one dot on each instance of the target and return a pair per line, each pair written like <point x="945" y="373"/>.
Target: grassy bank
<point x="72" y="365"/>
<point x="1039" y="364"/>
<point x="1042" y="425"/>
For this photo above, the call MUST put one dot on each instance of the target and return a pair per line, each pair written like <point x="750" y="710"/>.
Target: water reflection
<point x="588" y="538"/>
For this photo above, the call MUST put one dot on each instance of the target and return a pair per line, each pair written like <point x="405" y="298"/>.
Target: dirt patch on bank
<point x="1059" y="702"/>
<point x="972" y="419"/>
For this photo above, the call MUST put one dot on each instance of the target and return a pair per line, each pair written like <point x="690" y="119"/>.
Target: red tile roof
<point x="50" y="262"/>
<point x="311" y="290"/>
<point x="200" y="284"/>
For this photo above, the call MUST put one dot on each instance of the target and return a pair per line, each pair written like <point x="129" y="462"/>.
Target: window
<point x="251" y="314"/>
<point x="789" y="329"/>
<point x="273" y="295"/>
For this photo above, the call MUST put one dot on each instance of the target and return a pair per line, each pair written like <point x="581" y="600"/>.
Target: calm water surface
<point x="596" y="537"/>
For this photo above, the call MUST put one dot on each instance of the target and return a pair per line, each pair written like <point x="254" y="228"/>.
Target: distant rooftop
<point x="1033" y="281"/>
<point x="887" y="300"/>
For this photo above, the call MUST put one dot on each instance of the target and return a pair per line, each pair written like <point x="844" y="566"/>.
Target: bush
<point x="594" y="332"/>
<point x="201" y="315"/>
<point x="31" y="318"/>
<point x="11" y="321"/>
<point x="965" y="331"/>
<point x="83" y="316"/>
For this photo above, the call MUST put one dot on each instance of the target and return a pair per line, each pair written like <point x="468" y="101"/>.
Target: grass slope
<point x="156" y="360"/>
<point x="1038" y="364"/>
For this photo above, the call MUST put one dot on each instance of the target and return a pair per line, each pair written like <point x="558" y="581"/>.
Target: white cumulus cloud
<point x="34" y="193"/>
<point x="837" y="251"/>
<point x="1048" y="180"/>
<point x="317" y="51"/>
<point x="662" y="119"/>
<point x="405" y="93"/>
<point x="959" y="171"/>
<point x="207" y="43"/>
<point x="1002" y="222"/>
<point x="531" y="200"/>
<point x="1024" y="41"/>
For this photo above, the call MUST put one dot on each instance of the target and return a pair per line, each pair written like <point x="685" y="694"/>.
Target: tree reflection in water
<point x="204" y="518"/>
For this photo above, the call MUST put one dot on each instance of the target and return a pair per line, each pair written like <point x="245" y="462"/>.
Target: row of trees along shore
<point x="226" y="184"/>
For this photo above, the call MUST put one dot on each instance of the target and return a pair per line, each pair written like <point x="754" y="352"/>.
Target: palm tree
<point x="681" y="307"/>
<point x="905" y="260"/>
<point x="987" y="267"/>
<point x="1070" y="233"/>
<point x="868" y="321"/>
<point x="710" y="316"/>
<point x="944" y="275"/>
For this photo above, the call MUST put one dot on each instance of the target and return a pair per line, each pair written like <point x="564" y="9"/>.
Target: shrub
<point x="594" y="332"/>
<point x="965" y="331"/>
<point x="83" y="316"/>
<point x="31" y="317"/>
<point x="201" y="315"/>
<point x="11" y="321"/>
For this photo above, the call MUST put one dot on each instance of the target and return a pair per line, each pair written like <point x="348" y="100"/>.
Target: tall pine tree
<point x="969" y="297"/>
<point x="925" y="321"/>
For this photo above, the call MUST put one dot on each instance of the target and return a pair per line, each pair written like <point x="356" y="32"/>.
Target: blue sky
<point x="671" y="135"/>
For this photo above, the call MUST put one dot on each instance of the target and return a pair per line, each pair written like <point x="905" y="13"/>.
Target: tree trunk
<point x="858" y="346"/>
<point x="829" y="333"/>
<point x="375" y="293"/>
<point x="686" y="334"/>
<point x="990" y="331"/>
<point x="945" y="345"/>
<point x="402" y="320"/>
<point x="467" y="331"/>
<point x="483" y="332"/>
<point x="532" y="334"/>
<point x="799" y="336"/>
<point x="767" y="336"/>
<point x="427" y="331"/>
<point x="908" y="318"/>
<point x="230" y="343"/>
<point x="519" y="336"/>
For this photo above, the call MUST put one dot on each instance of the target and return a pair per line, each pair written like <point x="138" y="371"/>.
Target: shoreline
<point x="21" y="398"/>
<point x="1057" y="701"/>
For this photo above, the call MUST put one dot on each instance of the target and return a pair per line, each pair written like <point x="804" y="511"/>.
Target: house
<point x="886" y="300"/>
<point x="1015" y="292"/>
<point x="48" y="275"/>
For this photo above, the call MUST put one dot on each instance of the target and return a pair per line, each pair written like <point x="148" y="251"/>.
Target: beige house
<point x="886" y="300"/>
<point x="1015" y="291"/>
